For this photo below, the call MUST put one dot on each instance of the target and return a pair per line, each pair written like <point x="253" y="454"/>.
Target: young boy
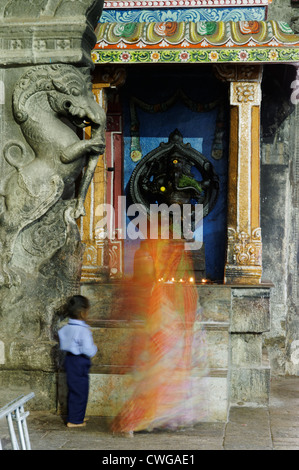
<point x="76" y="339"/>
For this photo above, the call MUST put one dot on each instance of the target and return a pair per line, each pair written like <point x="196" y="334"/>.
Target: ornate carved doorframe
<point x="94" y="262"/>
<point x="244" y="244"/>
<point x="103" y="258"/>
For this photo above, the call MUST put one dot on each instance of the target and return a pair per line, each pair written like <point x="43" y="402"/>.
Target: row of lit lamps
<point x="191" y="280"/>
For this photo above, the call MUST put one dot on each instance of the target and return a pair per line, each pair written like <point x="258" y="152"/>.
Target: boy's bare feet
<point x="74" y="425"/>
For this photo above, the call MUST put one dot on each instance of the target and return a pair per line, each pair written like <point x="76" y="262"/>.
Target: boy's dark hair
<point x="76" y="304"/>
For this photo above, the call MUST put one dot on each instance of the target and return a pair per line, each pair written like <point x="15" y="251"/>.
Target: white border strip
<point x="183" y="3"/>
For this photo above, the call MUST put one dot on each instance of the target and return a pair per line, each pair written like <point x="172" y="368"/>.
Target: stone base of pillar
<point x="242" y="274"/>
<point x="244" y="257"/>
<point x="100" y="274"/>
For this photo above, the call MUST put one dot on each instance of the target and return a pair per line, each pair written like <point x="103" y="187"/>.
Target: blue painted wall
<point x="153" y="85"/>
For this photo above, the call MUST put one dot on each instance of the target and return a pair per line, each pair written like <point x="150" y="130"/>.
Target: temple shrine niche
<point x="222" y="37"/>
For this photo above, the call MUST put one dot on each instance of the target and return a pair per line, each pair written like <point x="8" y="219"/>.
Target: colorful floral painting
<point x="198" y="56"/>
<point x="156" y="15"/>
<point x="249" y="27"/>
<point x="244" y="41"/>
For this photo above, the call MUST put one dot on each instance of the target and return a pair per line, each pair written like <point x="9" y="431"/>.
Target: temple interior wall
<point x="279" y="220"/>
<point x="279" y="173"/>
<point x="279" y="182"/>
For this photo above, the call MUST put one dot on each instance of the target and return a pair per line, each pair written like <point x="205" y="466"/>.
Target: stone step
<point x="107" y="299"/>
<point x="126" y="370"/>
<point x="109" y="391"/>
<point x="117" y="336"/>
<point x="119" y="341"/>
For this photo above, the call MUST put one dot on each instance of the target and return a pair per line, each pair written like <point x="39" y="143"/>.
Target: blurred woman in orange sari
<point x="164" y="390"/>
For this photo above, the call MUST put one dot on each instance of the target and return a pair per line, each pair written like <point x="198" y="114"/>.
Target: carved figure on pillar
<point x="46" y="98"/>
<point x="44" y="172"/>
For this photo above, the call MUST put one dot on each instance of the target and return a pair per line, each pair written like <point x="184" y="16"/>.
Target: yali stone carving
<point x="49" y="103"/>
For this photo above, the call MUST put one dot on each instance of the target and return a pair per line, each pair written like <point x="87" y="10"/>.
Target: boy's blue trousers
<point x="77" y="375"/>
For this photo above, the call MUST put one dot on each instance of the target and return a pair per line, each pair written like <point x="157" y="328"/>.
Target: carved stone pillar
<point x="45" y="94"/>
<point x="244" y="244"/>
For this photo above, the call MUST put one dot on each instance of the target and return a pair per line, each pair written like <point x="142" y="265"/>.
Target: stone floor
<point x="271" y="428"/>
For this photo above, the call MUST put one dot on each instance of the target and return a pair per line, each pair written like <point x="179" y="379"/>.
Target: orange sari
<point x="164" y="391"/>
